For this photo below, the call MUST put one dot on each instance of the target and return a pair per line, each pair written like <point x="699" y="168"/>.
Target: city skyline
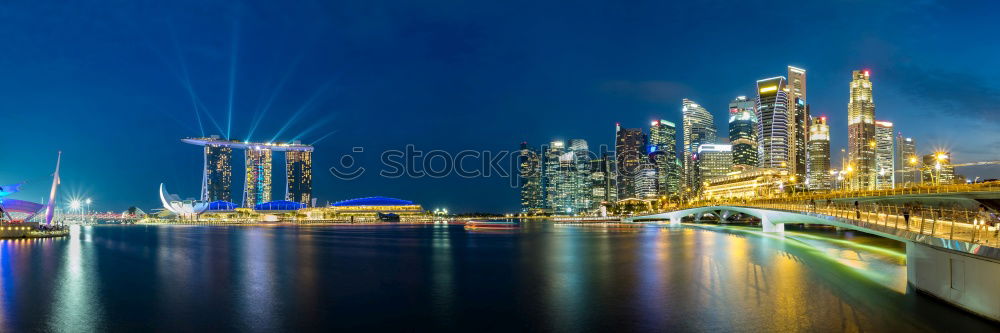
<point x="623" y="79"/>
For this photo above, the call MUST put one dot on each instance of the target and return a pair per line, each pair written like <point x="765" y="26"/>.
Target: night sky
<point x="116" y="84"/>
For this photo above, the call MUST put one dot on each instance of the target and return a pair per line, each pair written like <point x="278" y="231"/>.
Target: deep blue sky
<point x="106" y="81"/>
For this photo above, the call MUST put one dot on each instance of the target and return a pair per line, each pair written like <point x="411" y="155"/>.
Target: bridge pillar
<point x="765" y="221"/>
<point x="673" y="219"/>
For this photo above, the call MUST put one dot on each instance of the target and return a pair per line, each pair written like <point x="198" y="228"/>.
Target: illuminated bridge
<point x="951" y="251"/>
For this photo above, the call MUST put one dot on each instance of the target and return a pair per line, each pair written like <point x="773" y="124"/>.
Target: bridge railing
<point x="954" y="223"/>
<point x="916" y="189"/>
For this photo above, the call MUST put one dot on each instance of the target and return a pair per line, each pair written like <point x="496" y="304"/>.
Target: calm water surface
<point x="543" y="277"/>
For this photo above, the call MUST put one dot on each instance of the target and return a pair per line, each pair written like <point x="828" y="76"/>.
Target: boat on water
<point x="491" y="225"/>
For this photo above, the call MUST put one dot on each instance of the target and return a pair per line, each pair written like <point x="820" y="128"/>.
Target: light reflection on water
<point x="442" y="277"/>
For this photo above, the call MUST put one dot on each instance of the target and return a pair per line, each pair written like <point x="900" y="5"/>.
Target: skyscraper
<point x="772" y="123"/>
<point x="602" y="187"/>
<point x="818" y="170"/>
<point x="861" y="132"/>
<point x="742" y="133"/>
<point x="529" y="163"/>
<point x="298" y="173"/>
<point x="699" y="129"/>
<point x="551" y="181"/>
<point x="258" y="176"/>
<point x="217" y="176"/>
<point x="663" y="154"/>
<point x="712" y="161"/>
<point x="907" y="161"/>
<point x="629" y="144"/>
<point x="580" y="176"/>
<point x="885" y="156"/>
<point x="798" y="127"/>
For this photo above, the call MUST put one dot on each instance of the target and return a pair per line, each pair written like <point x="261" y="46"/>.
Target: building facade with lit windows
<point x="257" y="189"/>
<point x="885" y="156"/>
<point x="713" y="161"/>
<point x="216" y="183"/>
<point x="861" y="132"/>
<point x="663" y="154"/>
<point x="742" y="132"/>
<point x="799" y="117"/>
<point x="907" y="161"/>
<point x="630" y="144"/>
<point x="772" y="123"/>
<point x="645" y="181"/>
<point x="818" y="169"/>
<point x="298" y="176"/>
<point x="747" y="184"/>
<point x="699" y="129"/>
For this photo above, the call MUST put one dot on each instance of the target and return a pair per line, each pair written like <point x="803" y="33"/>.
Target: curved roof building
<point x="279" y="205"/>
<point x="373" y="201"/>
<point x="174" y="204"/>
<point x="221" y="206"/>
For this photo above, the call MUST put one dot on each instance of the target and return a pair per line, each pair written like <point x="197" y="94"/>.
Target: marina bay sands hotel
<point x="217" y="177"/>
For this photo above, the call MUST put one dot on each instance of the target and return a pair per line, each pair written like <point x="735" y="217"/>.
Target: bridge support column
<point x="673" y="219"/>
<point x="958" y="278"/>
<point x="765" y="221"/>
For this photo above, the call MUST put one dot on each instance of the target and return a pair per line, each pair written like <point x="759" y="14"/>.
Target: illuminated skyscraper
<point x="885" y="156"/>
<point x="798" y="127"/>
<point x="907" y="161"/>
<point x="742" y="133"/>
<point x="818" y="170"/>
<point x="257" y="188"/>
<point x="530" y="173"/>
<point x="861" y="132"/>
<point x="629" y="146"/>
<point x="712" y="161"/>
<point x="772" y="123"/>
<point x="298" y="173"/>
<point x="579" y="176"/>
<point x="699" y="129"/>
<point x="663" y="154"/>
<point x="552" y="180"/>
<point x="218" y="174"/>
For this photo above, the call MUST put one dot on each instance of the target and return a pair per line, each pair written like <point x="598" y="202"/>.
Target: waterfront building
<point x="772" y="123"/>
<point x="298" y="175"/>
<point x="745" y="184"/>
<point x="937" y="169"/>
<point x="907" y="161"/>
<point x="712" y="161"/>
<point x="663" y="154"/>
<point x="699" y="129"/>
<point x="364" y="209"/>
<point x="217" y="177"/>
<point x="861" y="132"/>
<point x="885" y="156"/>
<point x="257" y="188"/>
<point x="742" y="132"/>
<point x="798" y="127"/>
<point x="818" y="166"/>
<point x="530" y="173"/>
<point x="629" y="153"/>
